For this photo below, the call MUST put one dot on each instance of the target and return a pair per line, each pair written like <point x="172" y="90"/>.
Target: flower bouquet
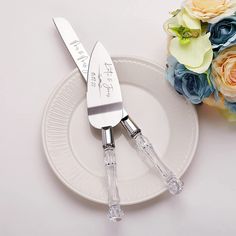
<point x="201" y="64"/>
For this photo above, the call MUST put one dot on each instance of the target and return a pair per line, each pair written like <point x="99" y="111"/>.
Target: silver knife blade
<point x="73" y="44"/>
<point x="104" y="100"/>
<point x="75" y="47"/>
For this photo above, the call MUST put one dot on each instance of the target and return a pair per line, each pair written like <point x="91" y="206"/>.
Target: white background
<point x="33" y="61"/>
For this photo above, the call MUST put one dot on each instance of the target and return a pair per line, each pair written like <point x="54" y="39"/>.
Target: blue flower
<point x="231" y="106"/>
<point x="195" y="87"/>
<point x="223" y="33"/>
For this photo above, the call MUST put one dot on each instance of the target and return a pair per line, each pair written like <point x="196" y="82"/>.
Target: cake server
<point x="105" y="111"/>
<point x="81" y="59"/>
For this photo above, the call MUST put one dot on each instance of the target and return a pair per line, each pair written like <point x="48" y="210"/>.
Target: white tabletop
<point x="33" y="61"/>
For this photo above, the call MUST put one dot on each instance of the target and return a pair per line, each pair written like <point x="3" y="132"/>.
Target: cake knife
<point x="105" y="111"/>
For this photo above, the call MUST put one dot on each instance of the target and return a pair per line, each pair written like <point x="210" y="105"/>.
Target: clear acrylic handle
<point x="115" y="212"/>
<point x="174" y="184"/>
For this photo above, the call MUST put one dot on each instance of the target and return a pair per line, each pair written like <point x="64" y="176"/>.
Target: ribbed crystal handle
<point x="115" y="212"/>
<point x="174" y="184"/>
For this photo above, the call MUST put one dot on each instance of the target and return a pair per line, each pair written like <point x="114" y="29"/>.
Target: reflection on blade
<point x="104" y="99"/>
<point x="73" y="44"/>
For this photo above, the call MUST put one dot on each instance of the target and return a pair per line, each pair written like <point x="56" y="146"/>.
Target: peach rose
<point x="224" y="73"/>
<point x="210" y="10"/>
<point x="217" y="103"/>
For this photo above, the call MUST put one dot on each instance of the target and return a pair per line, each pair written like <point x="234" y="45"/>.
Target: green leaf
<point x="208" y="74"/>
<point x="175" y="13"/>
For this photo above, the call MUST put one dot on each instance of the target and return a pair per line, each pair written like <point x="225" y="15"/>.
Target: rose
<point x="210" y="10"/>
<point x="223" y="33"/>
<point x="215" y="100"/>
<point x="195" y="87"/>
<point x="224" y="73"/>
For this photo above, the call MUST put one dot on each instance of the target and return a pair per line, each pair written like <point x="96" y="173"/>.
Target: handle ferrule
<point x="130" y="126"/>
<point x="107" y="138"/>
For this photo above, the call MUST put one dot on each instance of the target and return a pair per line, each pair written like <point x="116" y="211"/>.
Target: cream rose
<point x="224" y="73"/>
<point x="210" y="10"/>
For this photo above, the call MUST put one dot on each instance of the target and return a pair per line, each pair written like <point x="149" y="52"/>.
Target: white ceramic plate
<point x="74" y="149"/>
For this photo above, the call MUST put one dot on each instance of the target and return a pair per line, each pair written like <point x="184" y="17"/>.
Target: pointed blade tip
<point x="58" y="19"/>
<point x="99" y="45"/>
<point x="96" y="45"/>
<point x="55" y="18"/>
